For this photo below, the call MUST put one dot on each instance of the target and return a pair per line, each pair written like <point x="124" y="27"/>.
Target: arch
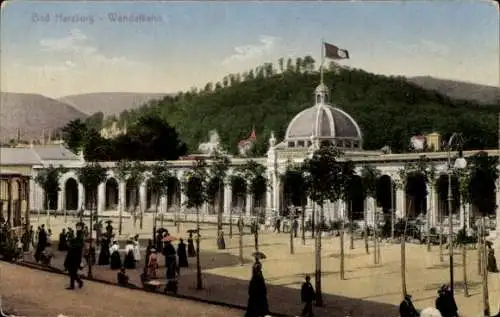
<point x="416" y="195"/>
<point x="131" y="196"/>
<point x="385" y="193"/>
<point x="238" y="193"/>
<point x="356" y="199"/>
<point x="152" y="196"/>
<point x="259" y="199"/>
<point x="111" y="194"/>
<point x="442" y="192"/>
<point x="482" y="190"/>
<point x="71" y="194"/>
<point x="173" y="194"/>
<point x="215" y="195"/>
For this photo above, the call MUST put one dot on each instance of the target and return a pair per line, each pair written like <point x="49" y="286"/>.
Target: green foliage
<point x="369" y="177"/>
<point x="296" y="185"/>
<point x="255" y="176"/>
<point x="150" y="139"/>
<point x="48" y="179"/>
<point x="74" y="134"/>
<point x="483" y="176"/>
<point x="350" y="184"/>
<point x="217" y="172"/>
<point x="195" y="184"/>
<point x="326" y="181"/>
<point x="389" y="110"/>
<point x="91" y="176"/>
<point x="160" y="177"/>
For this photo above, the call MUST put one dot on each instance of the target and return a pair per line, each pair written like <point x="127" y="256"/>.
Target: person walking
<point x="406" y="308"/>
<point x="307" y="295"/>
<point x="74" y="259"/>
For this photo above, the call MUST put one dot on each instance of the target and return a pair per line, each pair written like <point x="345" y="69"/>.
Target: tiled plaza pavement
<point x="32" y="293"/>
<point x="369" y="290"/>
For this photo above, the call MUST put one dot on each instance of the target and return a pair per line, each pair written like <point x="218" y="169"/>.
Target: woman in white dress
<point x="137" y="250"/>
<point x="129" y="261"/>
<point x="116" y="262"/>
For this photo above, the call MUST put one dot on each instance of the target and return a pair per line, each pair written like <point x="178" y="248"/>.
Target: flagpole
<point x="322" y="60"/>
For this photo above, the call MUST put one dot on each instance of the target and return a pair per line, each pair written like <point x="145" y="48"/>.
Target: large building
<point x="322" y="123"/>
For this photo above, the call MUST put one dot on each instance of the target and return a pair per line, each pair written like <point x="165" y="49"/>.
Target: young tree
<point x="160" y="176"/>
<point x="48" y="179"/>
<point x="483" y="177"/>
<point x="91" y="176"/>
<point x="463" y="181"/>
<point x="326" y="177"/>
<point x="239" y="187"/>
<point x="369" y="177"/>
<point x="345" y="191"/>
<point x="218" y="173"/>
<point x="135" y="176"/>
<point x="121" y="172"/>
<point x="254" y="175"/>
<point x="424" y="170"/>
<point x="195" y="185"/>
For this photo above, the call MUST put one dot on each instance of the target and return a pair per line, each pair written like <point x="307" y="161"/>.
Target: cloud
<point x="422" y="46"/>
<point x="252" y="51"/>
<point x="81" y="51"/>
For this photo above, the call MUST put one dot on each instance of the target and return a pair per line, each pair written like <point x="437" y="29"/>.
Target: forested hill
<point x="389" y="109"/>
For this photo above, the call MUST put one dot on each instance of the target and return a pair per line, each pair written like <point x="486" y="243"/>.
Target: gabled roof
<point x="18" y="156"/>
<point x="54" y="153"/>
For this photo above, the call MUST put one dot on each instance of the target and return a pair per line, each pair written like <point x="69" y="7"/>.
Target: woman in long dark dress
<point x="492" y="261"/>
<point x="116" y="262"/>
<point x="257" y="294"/>
<point x="191" y="251"/>
<point x="129" y="260"/>
<point x="63" y="244"/>
<point x="104" y="252"/>
<point x="181" y="254"/>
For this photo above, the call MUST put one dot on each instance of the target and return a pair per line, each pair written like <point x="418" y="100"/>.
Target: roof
<point x="323" y="121"/>
<point x="18" y="156"/>
<point x="54" y="153"/>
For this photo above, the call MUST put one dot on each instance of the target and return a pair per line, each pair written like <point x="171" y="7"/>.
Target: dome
<point x="323" y="122"/>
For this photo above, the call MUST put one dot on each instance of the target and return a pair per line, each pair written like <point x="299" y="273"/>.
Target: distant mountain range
<point x="32" y="113"/>
<point x="109" y="103"/>
<point x="488" y="95"/>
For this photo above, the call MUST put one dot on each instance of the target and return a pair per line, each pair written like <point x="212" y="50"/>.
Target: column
<point x="228" y="195"/>
<point x="101" y="198"/>
<point x="269" y="200"/>
<point x="32" y="193"/>
<point x="60" y="197"/>
<point x="81" y="197"/>
<point x="341" y="210"/>
<point x="276" y="193"/>
<point x="122" y="196"/>
<point x="433" y="205"/>
<point x="400" y="203"/>
<point x="248" y="204"/>
<point x="143" y="197"/>
<point x="183" y="199"/>
<point x="370" y="210"/>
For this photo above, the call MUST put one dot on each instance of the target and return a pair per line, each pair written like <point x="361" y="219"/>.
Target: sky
<point x="64" y="48"/>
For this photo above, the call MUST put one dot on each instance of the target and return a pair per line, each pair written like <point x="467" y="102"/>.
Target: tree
<point x="424" y="171"/>
<point x="195" y="185"/>
<point x="48" y="179"/>
<point x="218" y="173"/>
<point x="74" y="134"/>
<point x="483" y="177"/>
<point x="463" y="182"/>
<point x="369" y="177"/>
<point x="160" y="176"/>
<point x="91" y="176"/>
<point x="325" y="184"/>
<point x="346" y="192"/>
<point x="133" y="175"/>
<point x="254" y="175"/>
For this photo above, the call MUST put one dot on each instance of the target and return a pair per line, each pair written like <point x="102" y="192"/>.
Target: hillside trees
<point x="389" y="110"/>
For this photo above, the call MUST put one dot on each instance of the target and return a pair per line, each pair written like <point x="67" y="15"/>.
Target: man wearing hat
<point x="406" y="308"/>
<point x="445" y="302"/>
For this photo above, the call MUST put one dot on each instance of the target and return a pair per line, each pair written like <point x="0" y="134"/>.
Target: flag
<point x="333" y="52"/>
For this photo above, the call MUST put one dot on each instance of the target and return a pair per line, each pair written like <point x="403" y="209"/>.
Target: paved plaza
<point x="27" y="292"/>
<point x="369" y="290"/>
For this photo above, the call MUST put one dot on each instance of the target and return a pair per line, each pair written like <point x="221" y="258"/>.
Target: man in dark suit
<point x="74" y="259"/>
<point x="406" y="308"/>
<point x="307" y="295"/>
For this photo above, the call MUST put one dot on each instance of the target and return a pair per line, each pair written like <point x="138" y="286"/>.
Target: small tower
<point x="321" y="94"/>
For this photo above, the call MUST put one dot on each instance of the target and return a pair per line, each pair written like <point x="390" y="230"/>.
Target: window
<point x="348" y="143"/>
<point x="355" y="144"/>
<point x="300" y="144"/>
<point x="291" y="144"/>
<point x="309" y="143"/>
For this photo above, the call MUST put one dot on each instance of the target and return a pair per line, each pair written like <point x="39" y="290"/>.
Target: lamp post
<point x="460" y="163"/>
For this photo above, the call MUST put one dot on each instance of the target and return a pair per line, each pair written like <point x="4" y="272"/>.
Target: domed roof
<point x="323" y="121"/>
